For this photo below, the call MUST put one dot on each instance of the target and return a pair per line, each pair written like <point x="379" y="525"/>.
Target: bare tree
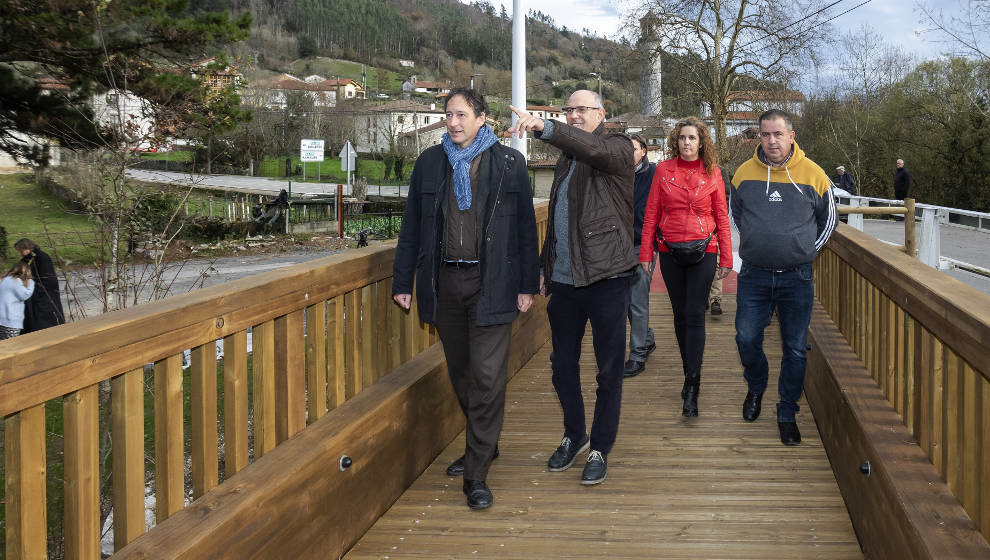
<point x="720" y="42"/>
<point x="968" y="32"/>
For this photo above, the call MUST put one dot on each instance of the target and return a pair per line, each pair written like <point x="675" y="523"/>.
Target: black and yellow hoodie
<point x="784" y="214"/>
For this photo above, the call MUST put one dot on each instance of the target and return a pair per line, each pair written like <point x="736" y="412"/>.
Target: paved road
<point x="255" y="185"/>
<point x="962" y="244"/>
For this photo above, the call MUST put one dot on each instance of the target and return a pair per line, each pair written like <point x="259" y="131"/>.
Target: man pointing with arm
<point x="587" y="264"/>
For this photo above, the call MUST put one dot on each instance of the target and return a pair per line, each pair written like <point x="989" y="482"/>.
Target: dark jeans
<point x="477" y="360"/>
<point x="791" y="292"/>
<point x="606" y="304"/>
<point x="688" y="287"/>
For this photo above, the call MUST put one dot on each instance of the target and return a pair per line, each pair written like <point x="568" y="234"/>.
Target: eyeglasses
<point x="581" y="109"/>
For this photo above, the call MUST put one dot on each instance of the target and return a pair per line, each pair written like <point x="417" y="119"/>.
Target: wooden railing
<point x="924" y="337"/>
<point x="321" y="333"/>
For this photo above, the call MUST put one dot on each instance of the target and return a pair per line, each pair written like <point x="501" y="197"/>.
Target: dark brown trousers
<point x="477" y="360"/>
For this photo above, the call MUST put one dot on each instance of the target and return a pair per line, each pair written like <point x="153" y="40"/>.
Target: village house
<point x="745" y="108"/>
<point x="414" y="85"/>
<point x="381" y="126"/>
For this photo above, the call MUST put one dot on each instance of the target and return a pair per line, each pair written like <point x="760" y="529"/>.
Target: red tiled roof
<point x="543" y="108"/>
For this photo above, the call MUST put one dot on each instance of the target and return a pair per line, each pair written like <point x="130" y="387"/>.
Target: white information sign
<point x="311" y="150"/>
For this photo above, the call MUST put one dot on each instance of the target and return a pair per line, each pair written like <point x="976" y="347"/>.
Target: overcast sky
<point x="899" y="19"/>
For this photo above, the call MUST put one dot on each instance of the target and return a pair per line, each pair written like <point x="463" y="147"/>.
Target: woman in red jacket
<point x="687" y="204"/>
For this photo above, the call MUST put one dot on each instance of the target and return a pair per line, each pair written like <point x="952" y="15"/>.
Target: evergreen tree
<point x="55" y="55"/>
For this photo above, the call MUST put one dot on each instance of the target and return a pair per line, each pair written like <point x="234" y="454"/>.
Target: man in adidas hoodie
<point x="782" y="205"/>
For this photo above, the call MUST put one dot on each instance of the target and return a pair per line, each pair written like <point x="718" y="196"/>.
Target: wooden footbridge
<point x="329" y="438"/>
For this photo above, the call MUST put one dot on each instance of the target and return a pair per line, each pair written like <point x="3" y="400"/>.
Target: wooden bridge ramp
<point x="707" y="487"/>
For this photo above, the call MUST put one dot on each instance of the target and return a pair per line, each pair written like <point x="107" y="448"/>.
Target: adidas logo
<point x="775" y="197"/>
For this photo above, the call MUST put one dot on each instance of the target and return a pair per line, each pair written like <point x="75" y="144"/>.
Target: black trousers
<point x="688" y="287"/>
<point x="606" y="304"/>
<point x="477" y="361"/>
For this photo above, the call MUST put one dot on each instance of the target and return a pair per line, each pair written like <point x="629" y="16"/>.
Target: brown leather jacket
<point x="600" y="203"/>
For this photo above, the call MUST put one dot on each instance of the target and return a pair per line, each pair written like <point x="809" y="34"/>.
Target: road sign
<point x="311" y="150"/>
<point x="347" y="156"/>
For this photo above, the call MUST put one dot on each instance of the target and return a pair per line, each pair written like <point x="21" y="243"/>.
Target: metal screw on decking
<point x="345" y="462"/>
<point x="865" y="469"/>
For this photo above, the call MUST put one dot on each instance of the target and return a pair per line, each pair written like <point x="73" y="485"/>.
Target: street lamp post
<point x="599" y="76"/>
<point x="472" y="79"/>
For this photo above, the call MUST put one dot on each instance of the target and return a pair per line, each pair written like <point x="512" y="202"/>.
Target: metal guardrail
<point x="957" y="217"/>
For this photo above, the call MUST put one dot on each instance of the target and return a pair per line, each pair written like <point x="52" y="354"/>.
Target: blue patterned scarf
<point x="461" y="160"/>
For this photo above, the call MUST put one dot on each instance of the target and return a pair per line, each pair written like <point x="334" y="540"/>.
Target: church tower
<point x="649" y="44"/>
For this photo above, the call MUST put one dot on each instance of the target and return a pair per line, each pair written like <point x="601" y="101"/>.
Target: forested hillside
<point x="447" y="40"/>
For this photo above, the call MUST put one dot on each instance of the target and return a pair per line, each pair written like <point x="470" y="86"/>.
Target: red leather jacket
<point x="687" y="204"/>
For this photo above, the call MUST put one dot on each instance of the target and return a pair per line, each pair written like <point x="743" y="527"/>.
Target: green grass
<point x="175" y="155"/>
<point x="29" y="211"/>
<point x="329" y="170"/>
<point x="330" y="67"/>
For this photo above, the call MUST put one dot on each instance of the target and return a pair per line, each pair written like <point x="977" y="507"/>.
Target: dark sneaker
<point x="716" y="307"/>
<point x="633" y="368"/>
<point x="478" y="494"/>
<point x="789" y="433"/>
<point x="457" y="467"/>
<point x="563" y="457"/>
<point x="651" y="348"/>
<point x="751" y="406"/>
<point x="594" y="469"/>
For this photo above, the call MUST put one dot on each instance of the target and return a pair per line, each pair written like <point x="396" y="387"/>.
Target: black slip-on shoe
<point x="457" y="467"/>
<point x="479" y="496"/>
<point x="751" y="406"/>
<point x="789" y="433"/>
<point x="633" y="368"/>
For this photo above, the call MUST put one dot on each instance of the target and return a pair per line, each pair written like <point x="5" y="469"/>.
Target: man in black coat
<point x="641" y="340"/>
<point x="469" y="237"/>
<point x="844" y="180"/>
<point x="902" y="181"/>
<point x="44" y="308"/>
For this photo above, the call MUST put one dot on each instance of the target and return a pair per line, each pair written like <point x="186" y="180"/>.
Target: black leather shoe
<point x="563" y="457"/>
<point x="478" y="494"/>
<point x="633" y="368"/>
<point x="716" y="308"/>
<point x="594" y="469"/>
<point x="751" y="406"/>
<point x="690" y="396"/>
<point x="789" y="433"/>
<point x="457" y="467"/>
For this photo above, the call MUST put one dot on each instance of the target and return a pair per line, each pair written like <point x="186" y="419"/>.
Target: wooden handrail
<point x="910" y="243"/>
<point x="924" y="337"/>
<point x="321" y="332"/>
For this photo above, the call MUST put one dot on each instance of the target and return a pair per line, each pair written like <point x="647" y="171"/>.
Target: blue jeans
<point x="640" y="333"/>
<point x="791" y="292"/>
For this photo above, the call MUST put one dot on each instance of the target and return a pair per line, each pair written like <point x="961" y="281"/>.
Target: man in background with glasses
<point x="588" y="264"/>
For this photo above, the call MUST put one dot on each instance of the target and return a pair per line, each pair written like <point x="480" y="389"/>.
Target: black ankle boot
<point x="690" y="395"/>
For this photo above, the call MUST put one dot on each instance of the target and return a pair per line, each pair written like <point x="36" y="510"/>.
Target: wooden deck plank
<point x="706" y="487"/>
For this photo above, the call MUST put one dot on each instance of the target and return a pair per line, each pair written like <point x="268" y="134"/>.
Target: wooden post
<point x="169" y="482"/>
<point x="316" y="359"/>
<point x="127" y="425"/>
<point x="263" y="370"/>
<point x="909" y="240"/>
<point x="235" y="403"/>
<point x="24" y="478"/>
<point x="82" y="473"/>
<point x="204" y="418"/>
<point x="290" y="376"/>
